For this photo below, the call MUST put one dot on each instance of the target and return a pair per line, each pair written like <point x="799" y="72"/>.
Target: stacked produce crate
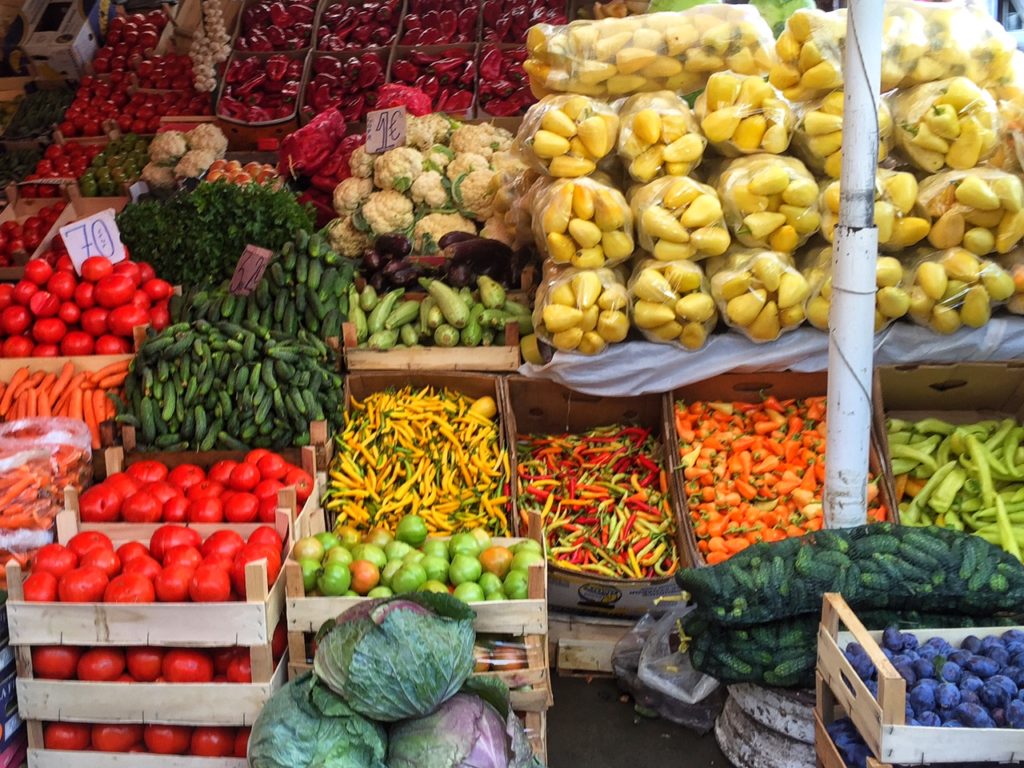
<point x="12" y="731"/>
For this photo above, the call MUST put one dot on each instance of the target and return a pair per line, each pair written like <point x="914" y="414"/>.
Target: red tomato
<point x="82" y="542"/>
<point x="38" y="271"/>
<point x="141" y="300"/>
<point x="55" y="662"/>
<point x="243" y="477"/>
<point x="163" y="490"/>
<point x="67" y="736"/>
<point x="210" y="741"/>
<point x="44" y="304"/>
<point x="112" y="345"/>
<point x="268" y="510"/>
<point x="148" y="471"/>
<point x="186" y="475"/>
<point x="116" y="738"/>
<point x="41" y="587"/>
<point x="123" y="484"/>
<point x="272" y="467"/>
<point x="76" y="343"/>
<point x="183" y="555"/>
<point x="302" y="481"/>
<point x="85" y="295"/>
<point x="124" y="319"/>
<point x="23" y="291"/>
<point x="240" y="668"/>
<point x="167" y="536"/>
<point x="101" y="665"/>
<point x="242" y="742"/>
<point x="157" y="289"/>
<point x="172" y="584"/>
<point x="6" y="295"/>
<point x="268" y="489"/>
<point x="168" y="739"/>
<point x="187" y="665"/>
<point x="145" y="663"/>
<point x="251" y="553"/>
<point x="144" y="565"/>
<point x="45" y="350"/>
<point x="221" y="471"/>
<point x="241" y="508"/>
<point x="131" y="550"/>
<point x="114" y="290"/>
<point x="176" y="510"/>
<point x="159" y="316"/>
<point x="94" y="321"/>
<point x="56" y="559"/>
<point x="130" y="588"/>
<point x="95" y="268"/>
<point x="15" y="319"/>
<point x="130" y="270"/>
<point x="222" y="543"/>
<point x="207" y="510"/>
<point x="279" y="642"/>
<point x="210" y="584"/>
<point x="49" y="331"/>
<point x="104" y="559"/>
<point x="82" y="585"/>
<point x="142" y="507"/>
<point x="62" y="285"/>
<point x="266" y="536"/>
<point x="254" y="456"/>
<point x="207" y="489"/>
<point x="146" y="271"/>
<point x="17" y="346"/>
<point x="100" y="504"/>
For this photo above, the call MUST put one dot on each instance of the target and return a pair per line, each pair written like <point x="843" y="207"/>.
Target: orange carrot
<point x="19" y="376"/>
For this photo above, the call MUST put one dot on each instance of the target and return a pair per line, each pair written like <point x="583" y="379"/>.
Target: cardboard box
<point x="544" y="407"/>
<point x="59" y="38"/>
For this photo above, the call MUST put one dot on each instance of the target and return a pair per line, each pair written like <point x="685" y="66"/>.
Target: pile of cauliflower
<point x="174" y="155"/>
<point x="445" y="179"/>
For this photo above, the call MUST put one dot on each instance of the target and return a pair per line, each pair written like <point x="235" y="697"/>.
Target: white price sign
<point x="95" y="235"/>
<point x="385" y="129"/>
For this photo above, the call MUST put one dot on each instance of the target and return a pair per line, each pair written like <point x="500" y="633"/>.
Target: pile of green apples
<point x="347" y="563"/>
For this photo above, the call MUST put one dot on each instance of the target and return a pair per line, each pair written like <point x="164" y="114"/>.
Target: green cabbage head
<point x="398" y="658"/>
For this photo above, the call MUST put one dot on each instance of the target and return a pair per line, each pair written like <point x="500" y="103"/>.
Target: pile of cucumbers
<point x="445" y="317"/>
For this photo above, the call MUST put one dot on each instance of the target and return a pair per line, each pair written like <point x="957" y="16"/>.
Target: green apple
<point x="516" y="584"/>
<point x="409" y="578"/>
<point x="371" y="553"/>
<point x="338" y="555"/>
<point x="310" y="572"/>
<point x="412" y="530"/>
<point x="463" y="544"/>
<point x="524" y="559"/>
<point x="396" y="550"/>
<point x="389" y="572"/>
<point x="380" y="592"/>
<point x="435" y="547"/>
<point x="464" y="568"/>
<point x="436" y="568"/>
<point x="469" y="592"/>
<point x="489" y="582"/>
<point x="433" y="586"/>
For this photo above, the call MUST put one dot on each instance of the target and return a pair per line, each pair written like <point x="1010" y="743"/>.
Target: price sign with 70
<point x="95" y="235"/>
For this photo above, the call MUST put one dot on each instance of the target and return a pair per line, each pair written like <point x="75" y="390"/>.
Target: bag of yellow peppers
<point x="581" y="310"/>
<point x="818" y="137"/>
<point x="567" y="136"/>
<point x="892" y="300"/>
<point x="981" y="209"/>
<point x="582" y="222"/>
<point x="899" y="225"/>
<point x="672" y="302"/>
<point x="679" y="218"/>
<point x="658" y="136"/>
<point x="673" y="51"/>
<point x="950" y="123"/>
<point x="769" y="202"/>
<point x="743" y="115"/>
<point x="954" y="288"/>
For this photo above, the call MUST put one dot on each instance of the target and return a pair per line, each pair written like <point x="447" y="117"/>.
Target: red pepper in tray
<point x="348" y="25"/>
<point x="348" y="84"/>
<point x="504" y="89"/>
<point x="258" y="90"/>
<point x="276" y="26"/>
<point x="436" y="22"/>
<point x="447" y="77"/>
<point x="508" y="22"/>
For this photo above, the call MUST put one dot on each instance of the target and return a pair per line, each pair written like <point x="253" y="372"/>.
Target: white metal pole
<point x="852" y="314"/>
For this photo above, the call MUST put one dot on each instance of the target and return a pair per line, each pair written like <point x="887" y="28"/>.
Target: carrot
<point x="120" y="366"/>
<point x="112" y="381"/>
<point x="89" y="416"/>
<point x="75" y="412"/>
<point x="99" y="408"/>
<point x="19" y="376"/>
<point x="33" y="398"/>
<point x="62" y="382"/>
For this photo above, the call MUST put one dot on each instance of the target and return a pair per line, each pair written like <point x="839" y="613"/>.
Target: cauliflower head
<point x="360" y="162"/>
<point x="350" y="194"/>
<point x="432" y="227"/>
<point x="466" y="163"/>
<point x="437" y="158"/>
<point x="429" y="190"/>
<point x="397" y="169"/>
<point x="388" y="211"/>
<point x="158" y="176"/>
<point x="167" y="148"/>
<point x="194" y="163"/>
<point x="208" y="136"/>
<point x="496" y="228"/>
<point x="423" y="132"/>
<point x="482" y="139"/>
<point x="474" y="194"/>
<point x="346" y="239"/>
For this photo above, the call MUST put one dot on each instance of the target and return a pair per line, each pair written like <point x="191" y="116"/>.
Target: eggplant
<point x="396" y="246"/>
<point x="395" y="266"/>
<point x="460" y="275"/>
<point x="372" y="261"/>
<point x="405" y="277"/>
<point x="451" y="238"/>
<point x="378" y="282"/>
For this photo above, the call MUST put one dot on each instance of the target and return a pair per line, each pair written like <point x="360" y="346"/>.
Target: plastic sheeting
<point x="641" y="367"/>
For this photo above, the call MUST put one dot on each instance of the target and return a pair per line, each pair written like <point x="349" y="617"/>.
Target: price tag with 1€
<point x="95" y="235"/>
<point x="385" y="129"/>
<point x="249" y="270"/>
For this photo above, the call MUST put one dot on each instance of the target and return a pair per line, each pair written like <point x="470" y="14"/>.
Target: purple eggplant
<point x="393" y="246"/>
<point x="455" y="237"/>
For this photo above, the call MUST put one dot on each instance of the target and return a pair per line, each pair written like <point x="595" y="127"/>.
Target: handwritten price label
<point x="249" y="270"/>
<point x="385" y="129"/>
<point x="95" y="235"/>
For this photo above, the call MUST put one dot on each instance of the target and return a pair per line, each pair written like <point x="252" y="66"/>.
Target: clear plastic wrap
<point x="981" y="209"/>
<point x="899" y="226"/>
<point x="673" y="51"/>
<point x="744" y="115"/>
<point x="672" y="302"/>
<point x="758" y="292"/>
<point x="1013" y="263"/>
<point x="69" y="442"/>
<point x="582" y="310"/>
<point x="922" y="42"/>
<point x="818" y="136"/>
<point x="679" y="218"/>
<point x="567" y="136"/>
<point x="769" y="202"/>
<point x="665" y="666"/>
<point x="29" y="497"/>
<point x="658" y="136"/>
<point x="892" y="299"/>
<point x="582" y="222"/>
<point x="951" y="123"/>
<point x="954" y="288"/>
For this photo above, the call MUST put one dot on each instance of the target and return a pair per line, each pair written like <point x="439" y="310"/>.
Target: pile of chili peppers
<point x="603" y="499"/>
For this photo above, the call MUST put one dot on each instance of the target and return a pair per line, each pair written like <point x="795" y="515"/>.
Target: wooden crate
<point x="881" y="721"/>
<point x="536" y="724"/>
<point x="583" y="645"/>
<point x="495" y="358"/>
<point x="50" y="758"/>
<point x="527" y="619"/>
